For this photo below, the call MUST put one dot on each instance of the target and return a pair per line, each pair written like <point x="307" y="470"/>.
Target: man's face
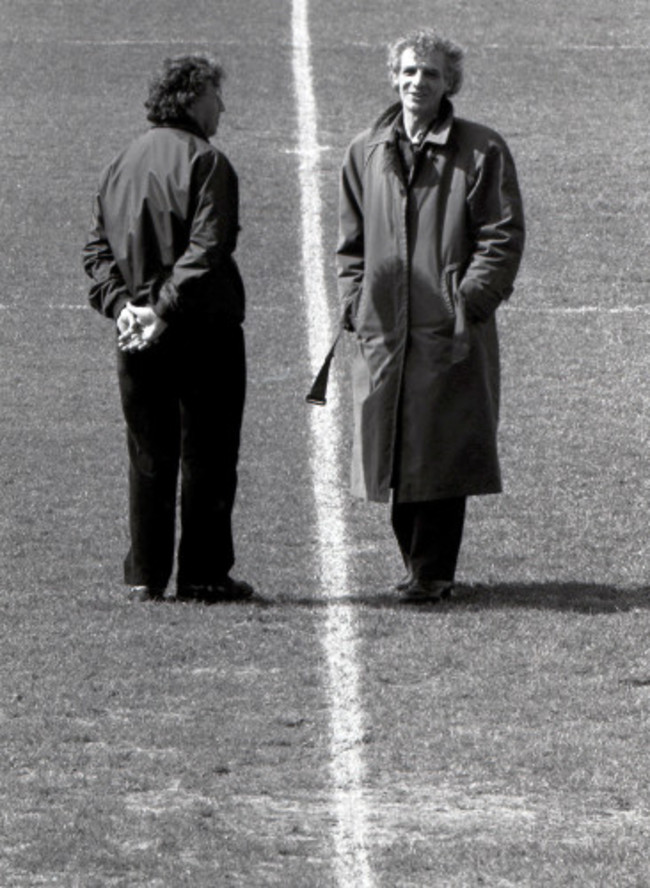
<point x="421" y="83"/>
<point x="207" y="109"/>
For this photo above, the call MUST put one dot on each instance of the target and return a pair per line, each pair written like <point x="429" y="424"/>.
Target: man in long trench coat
<point x="164" y="229"/>
<point x="430" y="239"/>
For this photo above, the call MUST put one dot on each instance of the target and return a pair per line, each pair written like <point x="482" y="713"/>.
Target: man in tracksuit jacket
<point x="160" y="255"/>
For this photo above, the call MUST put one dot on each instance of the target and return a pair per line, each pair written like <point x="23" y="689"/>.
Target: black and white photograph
<point x="325" y="466"/>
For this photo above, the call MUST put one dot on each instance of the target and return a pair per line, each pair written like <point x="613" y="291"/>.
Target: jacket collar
<point x="383" y="130"/>
<point x="184" y="123"/>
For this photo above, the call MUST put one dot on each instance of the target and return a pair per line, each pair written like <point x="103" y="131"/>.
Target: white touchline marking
<point x="316" y="355"/>
<point x="578" y="309"/>
<point x="359" y="44"/>
<point x="351" y="858"/>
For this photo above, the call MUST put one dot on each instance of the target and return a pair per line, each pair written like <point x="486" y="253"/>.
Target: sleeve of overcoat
<point x="497" y="229"/>
<point x="350" y="246"/>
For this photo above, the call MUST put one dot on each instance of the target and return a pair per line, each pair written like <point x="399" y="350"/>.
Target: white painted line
<point x="578" y="309"/>
<point x="357" y="44"/>
<point x="317" y="354"/>
<point x="571" y="47"/>
<point x="126" y="42"/>
<point x="351" y="859"/>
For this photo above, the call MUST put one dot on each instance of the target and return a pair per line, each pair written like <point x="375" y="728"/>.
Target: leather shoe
<point x="227" y="590"/>
<point x="427" y="591"/>
<point x="145" y="593"/>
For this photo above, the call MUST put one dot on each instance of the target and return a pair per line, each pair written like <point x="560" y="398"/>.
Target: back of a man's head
<point x="182" y="81"/>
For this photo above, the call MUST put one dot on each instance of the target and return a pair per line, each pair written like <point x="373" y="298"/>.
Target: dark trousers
<point x="183" y="401"/>
<point x="429" y="535"/>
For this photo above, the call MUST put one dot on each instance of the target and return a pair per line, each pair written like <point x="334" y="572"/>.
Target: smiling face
<point x="421" y="83"/>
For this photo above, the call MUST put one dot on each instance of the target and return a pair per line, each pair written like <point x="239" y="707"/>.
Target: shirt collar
<point x="392" y="123"/>
<point x="438" y="131"/>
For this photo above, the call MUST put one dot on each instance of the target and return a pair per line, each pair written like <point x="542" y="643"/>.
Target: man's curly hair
<point x="423" y="43"/>
<point x="182" y="81"/>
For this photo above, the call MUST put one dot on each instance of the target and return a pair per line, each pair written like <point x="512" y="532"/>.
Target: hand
<point x="126" y="320"/>
<point x="138" y="327"/>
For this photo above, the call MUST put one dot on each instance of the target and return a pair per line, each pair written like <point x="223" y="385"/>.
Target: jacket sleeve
<point x="212" y="237"/>
<point x="350" y="247"/>
<point x="497" y="228"/>
<point x="108" y="292"/>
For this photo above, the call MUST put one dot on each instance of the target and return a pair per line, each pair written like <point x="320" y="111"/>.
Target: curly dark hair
<point x="183" y="79"/>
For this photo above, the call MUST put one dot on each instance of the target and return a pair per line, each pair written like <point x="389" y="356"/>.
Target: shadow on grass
<point x="578" y="597"/>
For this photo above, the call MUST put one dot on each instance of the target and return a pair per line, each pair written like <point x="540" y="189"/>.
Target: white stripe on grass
<point x="339" y="633"/>
<point x="357" y="44"/>
<point x="316" y="356"/>
<point x="579" y="309"/>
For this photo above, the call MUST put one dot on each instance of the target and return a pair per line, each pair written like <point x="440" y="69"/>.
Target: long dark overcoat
<point x="422" y="266"/>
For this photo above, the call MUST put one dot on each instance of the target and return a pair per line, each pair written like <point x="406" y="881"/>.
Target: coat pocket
<point x="450" y="286"/>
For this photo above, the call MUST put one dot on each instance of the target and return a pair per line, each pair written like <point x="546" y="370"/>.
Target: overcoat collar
<point x="383" y="130"/>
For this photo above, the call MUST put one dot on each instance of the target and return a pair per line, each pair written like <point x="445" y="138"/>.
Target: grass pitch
<point x="505" y="732"/>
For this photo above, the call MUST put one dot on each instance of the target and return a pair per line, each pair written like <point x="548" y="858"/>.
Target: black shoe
<point x="227" y="590"/>
<point x="232" y="590"/>
<point x="427" y="591"/>
<point x="145" y="593"/>
<point x="191" y="593"/>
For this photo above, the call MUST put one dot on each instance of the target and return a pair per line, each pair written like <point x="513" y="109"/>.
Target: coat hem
<point x="390" y="496"/>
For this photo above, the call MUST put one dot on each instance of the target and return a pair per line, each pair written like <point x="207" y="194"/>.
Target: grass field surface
<point x="502" y="737"/>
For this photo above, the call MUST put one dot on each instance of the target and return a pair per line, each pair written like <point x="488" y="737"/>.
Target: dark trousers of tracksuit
<point x="429" y="535"/>
<point x="183" y="401"/>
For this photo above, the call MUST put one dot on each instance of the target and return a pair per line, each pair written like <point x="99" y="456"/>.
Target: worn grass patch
<point x="143" y="745"/>
<point x="511" y="739"/>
